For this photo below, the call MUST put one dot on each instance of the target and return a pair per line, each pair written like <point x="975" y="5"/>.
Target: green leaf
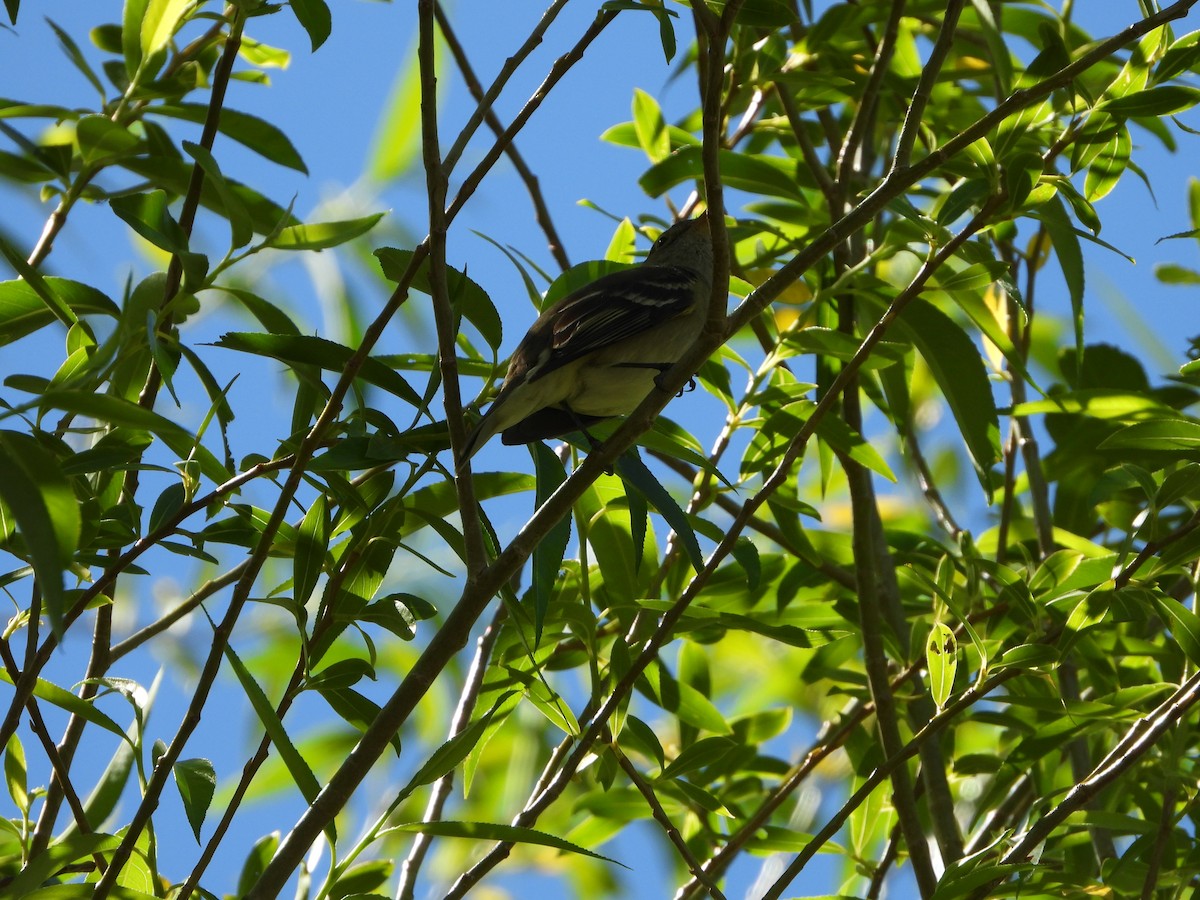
<point x="162" y="19"/>
<point x="1153" y="102"/>
<point x="1107" y="168"/>
<point x="197" y="781"/>
<point x="15" y="775"/>
<point x="150" y="216"/>
<point x="314" y="351"/>
<point x="38" y="496"/>
<point x="548" y="554"/>
<point x="256" y="861"/>
<point x="467" y="297"/>
<point x="312" y="544"/>
<point x="650" y="126"/>
<point x="41" y="870"/>
<point x="1070" y="259"/>
<point x="941" y="658"/>
<point x="322" y="235"/>
<point x="634" y="473"/>
<point x="757" y="174"/>
<point x="74" y="54"/>
<point x="23" y="311"/>
<point x="101" y="140"/>
<point x="301" y="774"/>
<point x="488" y="831"/>
<point x="844" y="439"/>
<point x="1157" y="434"/>
<point x="166" y="507"/>
<point x="314" y="17"/>
<point x="64" y="699"/>
<point x="704" y="752"/>
<point x="357" y="882"/>
<point x="118" y="411"/>
<point x="131" y="30"/>
<point x="960" y="373"/>
<point x="446" y="757"/>
<point x="1184" y="625"/>
<point x="174" y="175"/>
<point x="839" y="345"/>
<point x="44" y="288"/>
<point x="396" y="144"/>
<point x="250" y="131"/>
<point x="683" y="700"/>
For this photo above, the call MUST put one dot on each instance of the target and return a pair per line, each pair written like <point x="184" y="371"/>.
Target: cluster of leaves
<point x="906" y="178"/>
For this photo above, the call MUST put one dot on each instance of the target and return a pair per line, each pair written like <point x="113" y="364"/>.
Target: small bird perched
<point x="597" y="352"/>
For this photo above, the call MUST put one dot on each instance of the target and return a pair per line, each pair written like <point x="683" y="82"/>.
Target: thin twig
<point x="865" y="113"/>
<point x="478" y="593"/>
<point x="440" y="792"/>
<point x="660" y="816"/>
<point x="882" y="773"/>
<point x="1138" y="740"/>
<point x="436" y="184"/>
<point x="541" y="211"/>
<point x="506" y="71"/>
<point x="924" y="90"/>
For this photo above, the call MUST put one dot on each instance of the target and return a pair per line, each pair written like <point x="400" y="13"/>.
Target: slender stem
<point x="871" y="604"/>
<point x="541" y="210"/>
<point x="924" y="90"/>
<point x="436" y="182"/>
<point x="882" y="773"/>
<point x="660" y="816"/>
<point x="506" y="72"/>
<point x="440" y="793"/>
<point x="847" y="160"/>
<point x="478" y="593"/>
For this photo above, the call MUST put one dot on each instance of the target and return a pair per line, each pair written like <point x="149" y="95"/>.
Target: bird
<point x="597" y="352"/>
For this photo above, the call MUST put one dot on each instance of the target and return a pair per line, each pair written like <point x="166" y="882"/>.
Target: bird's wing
<point x="615" y="308"/>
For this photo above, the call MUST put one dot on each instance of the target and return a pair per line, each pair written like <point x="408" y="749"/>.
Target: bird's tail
<point x="483" y="432"/>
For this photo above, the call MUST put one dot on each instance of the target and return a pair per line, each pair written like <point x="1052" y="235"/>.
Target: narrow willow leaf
<point x="701" y="753"/>
<point x="15" y="775"/>
<point x="117" y="411"/>
<point x="150" y="216"/>
<point x="682" y="700"/>
<point x="469" y="298"/>
<point x="36" y="494"/>
<point x="1158" y="434"/>
<point x="322" y="235"/>
<point x="315" y="351"/>
<point x="250" y="131"/>
<point x="256" y="860"/>
<point x="548" y="554"/>
<point x="961" y="374"/>
<point x="162" y="19"/>
<point x="64" y="699"/>
<point x="488" y="831"/>
<point x="941" y="659"/>
<point x="634" y="472"/>
<point x="396" y="145"/>
<point x="1070" y="259"/>
<point x="23" y="312"/>
<point x="312" y="543"/>
<point x="302" y="775"/>
<point x="1104" y="173"/>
